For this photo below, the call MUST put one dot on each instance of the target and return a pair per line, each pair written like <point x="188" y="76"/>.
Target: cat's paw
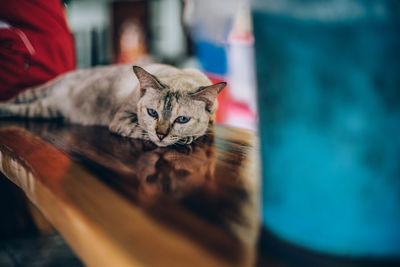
<point x="186" y="140"/>
<point x="132" y="130"/>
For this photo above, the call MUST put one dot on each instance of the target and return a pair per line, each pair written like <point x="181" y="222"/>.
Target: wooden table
<point x="123" y="202"/>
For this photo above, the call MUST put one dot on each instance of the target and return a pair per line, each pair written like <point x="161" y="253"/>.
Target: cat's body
<point x="167" y="106"/>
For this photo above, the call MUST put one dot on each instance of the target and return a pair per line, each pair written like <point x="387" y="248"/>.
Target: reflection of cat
<point x="174" y="106"/>
<point x="175" y="172"/>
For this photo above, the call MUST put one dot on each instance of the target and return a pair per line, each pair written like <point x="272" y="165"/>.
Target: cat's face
<point x="170" y="115"/>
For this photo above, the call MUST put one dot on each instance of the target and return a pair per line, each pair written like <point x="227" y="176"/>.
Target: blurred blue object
<point x="212" y="57"/>
<point x="329" y="102"/>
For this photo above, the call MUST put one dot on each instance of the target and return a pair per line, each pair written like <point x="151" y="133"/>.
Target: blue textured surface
<point x="329" y="97"/>
<point x="212" y="57"/>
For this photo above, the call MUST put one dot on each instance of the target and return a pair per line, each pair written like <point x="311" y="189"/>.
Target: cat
<point x="163" y="104"/>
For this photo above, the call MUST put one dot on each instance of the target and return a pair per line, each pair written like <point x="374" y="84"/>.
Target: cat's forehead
<point x="182" y="86"/>
<point x="186" y="84"/>
<point x="176" y="101"/>
<point x="173" y="96"/>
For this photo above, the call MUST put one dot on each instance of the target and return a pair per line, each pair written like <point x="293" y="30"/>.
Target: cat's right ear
<point x="146" y="80"/>
<point x="209" y="94"/>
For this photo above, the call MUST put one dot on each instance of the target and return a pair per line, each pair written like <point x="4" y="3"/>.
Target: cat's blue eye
<point x="182" y="119"/>
<point x="152" y="113"/>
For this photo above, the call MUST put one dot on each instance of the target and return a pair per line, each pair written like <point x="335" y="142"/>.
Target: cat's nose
<point x="161" y="135"/>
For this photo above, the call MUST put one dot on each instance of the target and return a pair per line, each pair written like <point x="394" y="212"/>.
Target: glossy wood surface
<point x="120" y="202"/>
<point x="124" y="202"/>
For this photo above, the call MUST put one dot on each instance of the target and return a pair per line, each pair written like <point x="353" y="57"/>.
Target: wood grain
<point x="121" y="202"/>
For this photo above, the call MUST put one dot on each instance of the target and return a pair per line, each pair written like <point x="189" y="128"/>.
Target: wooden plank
<point x="122" y="202"/>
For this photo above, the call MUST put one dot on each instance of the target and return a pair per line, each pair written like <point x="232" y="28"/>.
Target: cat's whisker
<point x="145" y="132"/>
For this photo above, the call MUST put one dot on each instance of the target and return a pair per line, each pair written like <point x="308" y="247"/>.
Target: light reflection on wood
<point x="121" y="202"/>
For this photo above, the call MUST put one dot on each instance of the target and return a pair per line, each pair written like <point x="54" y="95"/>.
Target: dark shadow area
<point x="37" y="250"/>
<point x="21" y="242"/>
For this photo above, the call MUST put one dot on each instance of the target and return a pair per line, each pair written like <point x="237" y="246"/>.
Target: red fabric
<point x="37" y="47"/>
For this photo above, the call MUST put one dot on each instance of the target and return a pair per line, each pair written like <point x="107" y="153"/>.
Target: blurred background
<point x="327" y="107"/>
<point x="214" y="36"/>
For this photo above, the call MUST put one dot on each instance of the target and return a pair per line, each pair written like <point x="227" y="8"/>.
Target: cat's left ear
<point x="209" y="94"/>
<point x="146" y="80"/>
